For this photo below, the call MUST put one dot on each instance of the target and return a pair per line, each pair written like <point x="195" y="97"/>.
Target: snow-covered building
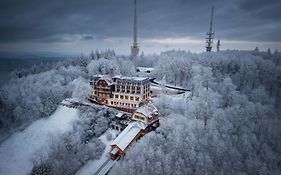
<point x="147" y="114"/>
<point x="120" y="92"/>
<point x="120" y="121"/>
<point x="130" y="134"/>
<point x="145" y="70"/>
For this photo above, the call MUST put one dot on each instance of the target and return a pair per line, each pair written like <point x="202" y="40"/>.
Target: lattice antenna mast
<point x="135" y="24"/>
<point x="135" y="47"/>
<point x="210" y="34"/>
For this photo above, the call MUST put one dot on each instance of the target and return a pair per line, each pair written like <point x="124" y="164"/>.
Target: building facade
<point x="120" y="92"/>
<point x="148" y="115"/>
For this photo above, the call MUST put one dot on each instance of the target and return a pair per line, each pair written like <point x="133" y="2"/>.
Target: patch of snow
<point x="17" y="152"/>
<point x="93" y="165"/>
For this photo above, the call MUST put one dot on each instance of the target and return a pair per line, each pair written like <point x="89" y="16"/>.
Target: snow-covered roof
<point x="114" y="151"/>
<point x="127" y="136"/>
<point x="147" y="110"/>
<point x="119" y="115"/>
<point x="131" y="79"/>
<point x="107" y="79"/>
<point x="145" y="69"/>
<point x="110" y="79"/>
<point x="141" y="124"/>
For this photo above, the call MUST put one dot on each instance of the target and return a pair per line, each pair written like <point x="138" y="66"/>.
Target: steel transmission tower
<point x="210" y="34"/>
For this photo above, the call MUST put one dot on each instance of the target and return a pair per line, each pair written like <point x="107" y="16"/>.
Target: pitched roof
<point x="107" y="79"/>
<point x="127" y="136"/>
<point x="119" y="115"/>
<point x="147" y="110"/>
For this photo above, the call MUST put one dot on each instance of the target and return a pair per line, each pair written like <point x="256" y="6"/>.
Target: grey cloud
<point x="87" y="37"/>
<point x="47" y="21"/>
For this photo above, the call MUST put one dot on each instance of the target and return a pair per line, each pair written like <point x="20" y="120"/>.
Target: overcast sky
<point x="76" y="26"/>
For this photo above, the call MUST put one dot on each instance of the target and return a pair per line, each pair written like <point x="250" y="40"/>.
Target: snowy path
<point x="93" y="165"/>
<point x="17" y="152"/>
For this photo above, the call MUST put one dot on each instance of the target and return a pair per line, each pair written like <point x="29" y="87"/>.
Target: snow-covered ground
<point x="17" y="152"/>
<point x="93" y="165"/>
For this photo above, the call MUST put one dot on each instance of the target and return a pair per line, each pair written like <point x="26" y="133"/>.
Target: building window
<point x="121" y="97"/>
<point x="116" y="96"/>
<point x="137" y="99"/>
<point x="131" y="98"/>
<point x="112" y="102"/>
<point x="126" y="97"/>
<point x="139" y="117"/>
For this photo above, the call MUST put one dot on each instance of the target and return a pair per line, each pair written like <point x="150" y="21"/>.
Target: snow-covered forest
<point x="229" y="125"/>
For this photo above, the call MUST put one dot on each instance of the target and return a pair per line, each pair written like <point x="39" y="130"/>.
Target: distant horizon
<point x="74" y="27"/>
<point x="56" y="54"/>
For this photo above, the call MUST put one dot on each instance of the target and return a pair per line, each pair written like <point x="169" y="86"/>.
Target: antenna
<point x="135" y="47"/>
<point x="210" y="34"/>
<point x="135" y="23"/>
<point x="218" y="45"/>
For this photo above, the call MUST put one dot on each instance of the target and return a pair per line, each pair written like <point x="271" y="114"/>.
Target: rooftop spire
<point x="135" y="48"/>
<point x="210" y="34"/>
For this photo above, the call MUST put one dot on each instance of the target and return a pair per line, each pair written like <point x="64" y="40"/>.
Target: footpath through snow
<point x="18" y="151"/>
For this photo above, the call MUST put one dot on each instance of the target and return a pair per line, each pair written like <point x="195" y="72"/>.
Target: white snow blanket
<point x="17" y="152"/>
<point x="93" y="165"/>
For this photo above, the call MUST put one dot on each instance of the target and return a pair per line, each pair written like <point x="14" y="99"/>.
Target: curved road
<point x="152" y="80"/>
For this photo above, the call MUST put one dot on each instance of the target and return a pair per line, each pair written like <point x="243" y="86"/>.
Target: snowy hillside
<point x="18" y="151"/>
